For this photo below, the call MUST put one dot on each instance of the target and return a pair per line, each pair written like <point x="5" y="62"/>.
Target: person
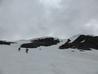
<point x="27" y="50"/>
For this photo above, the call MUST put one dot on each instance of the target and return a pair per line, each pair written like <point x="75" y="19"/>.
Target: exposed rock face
<point x="83" y="42"/>
<point x="5" y="43"/>
<point x="46" y="41"/>
<point x="40" y="42"/>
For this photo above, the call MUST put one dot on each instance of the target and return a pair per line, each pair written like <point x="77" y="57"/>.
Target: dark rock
<point x="83" y="42"/>
<point x="5" y="43"/>
<point x="40" y="42"/>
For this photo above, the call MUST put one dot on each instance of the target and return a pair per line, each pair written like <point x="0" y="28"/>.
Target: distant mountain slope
<point x="2" y="42"/>
<point x="82" y="42"/>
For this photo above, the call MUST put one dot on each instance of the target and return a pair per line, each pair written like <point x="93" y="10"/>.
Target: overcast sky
<point x="22" y="19"/>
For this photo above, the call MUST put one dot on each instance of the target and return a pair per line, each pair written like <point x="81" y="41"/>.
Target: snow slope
<point x="47" y="60"/>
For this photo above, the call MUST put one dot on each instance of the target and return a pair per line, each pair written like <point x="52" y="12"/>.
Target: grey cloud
<point x="77" y="14"/>
<point x="20" y="19"/>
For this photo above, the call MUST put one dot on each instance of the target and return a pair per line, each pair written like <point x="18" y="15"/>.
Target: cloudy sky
<point x="22" y="19"/>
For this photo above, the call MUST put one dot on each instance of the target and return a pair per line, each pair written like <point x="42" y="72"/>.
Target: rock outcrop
<point x="83" y="42"/>
<point x="49" y="41"/>
<point x="5" y="43"/>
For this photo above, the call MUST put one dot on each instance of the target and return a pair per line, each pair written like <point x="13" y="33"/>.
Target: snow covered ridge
<point x="48" y="60"/>
<point x="82" y="42"/>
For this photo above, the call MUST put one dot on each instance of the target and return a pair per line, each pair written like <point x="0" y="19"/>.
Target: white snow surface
<point x="47" y="60"/>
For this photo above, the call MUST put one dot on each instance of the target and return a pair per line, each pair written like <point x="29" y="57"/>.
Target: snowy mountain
<point x="46" y="60"/>
<point x="82" y="42"/>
